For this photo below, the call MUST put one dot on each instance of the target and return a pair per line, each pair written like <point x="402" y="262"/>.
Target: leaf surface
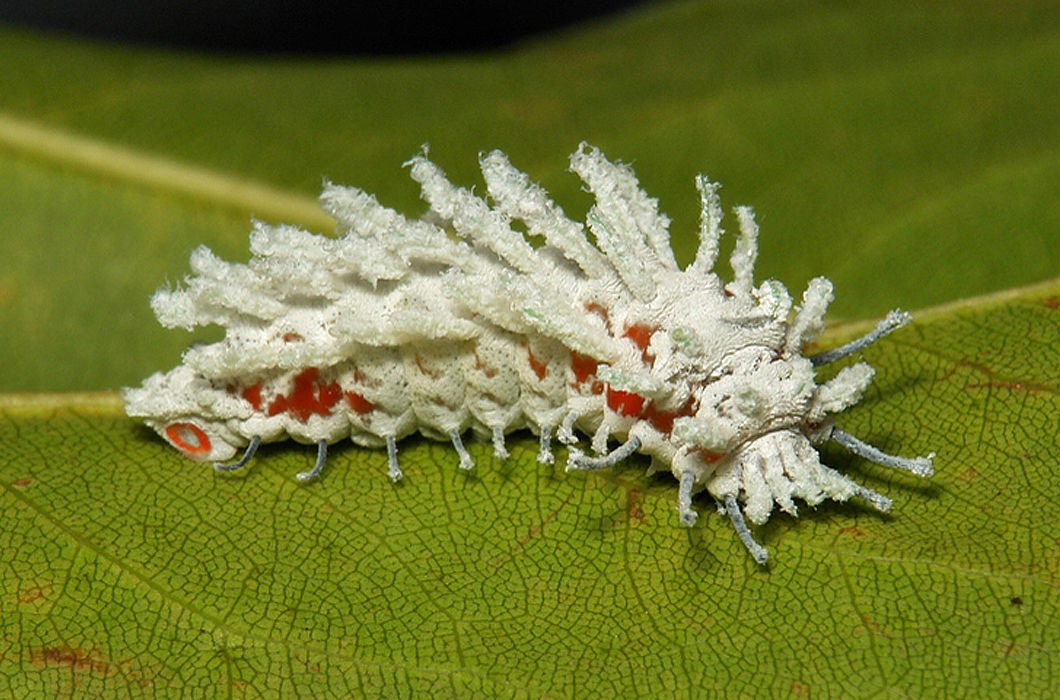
<point x="130" y="572"/>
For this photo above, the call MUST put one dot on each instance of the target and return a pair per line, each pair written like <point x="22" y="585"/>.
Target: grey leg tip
<point x="758" y="552"/>
<point x="924" y="466"/>
<point x="242" y="462"/>
<point x="466" y="462"/>
<point x="876" y="500"/>
<point x="322" y="455"/>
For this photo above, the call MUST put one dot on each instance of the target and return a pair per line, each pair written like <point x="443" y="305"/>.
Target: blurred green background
<point x="910" y="151"/>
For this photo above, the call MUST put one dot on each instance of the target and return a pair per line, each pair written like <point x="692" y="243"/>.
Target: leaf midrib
<point x="115" y="162"/>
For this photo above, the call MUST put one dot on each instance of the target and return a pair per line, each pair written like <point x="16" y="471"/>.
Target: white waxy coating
<point x="397" y="325"/>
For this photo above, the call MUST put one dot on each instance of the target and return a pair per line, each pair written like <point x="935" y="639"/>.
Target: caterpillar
<point x="454" y="322"/>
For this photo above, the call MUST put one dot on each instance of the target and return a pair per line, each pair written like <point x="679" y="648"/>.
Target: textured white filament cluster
<point x="456" y="322"/>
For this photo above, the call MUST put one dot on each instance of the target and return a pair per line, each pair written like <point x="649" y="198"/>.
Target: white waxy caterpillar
<point x="397" y="326"/>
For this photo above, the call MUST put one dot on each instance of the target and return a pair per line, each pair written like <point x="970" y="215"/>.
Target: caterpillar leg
<point x="732" y="509"/>
<point x="566" y="429"/>
<point x="580" y="461"/>
<point x="876" y="500"/>
<point x="544" y="454"/>
<point x="921" y="466"/>
<point x="499" y="450"/>
<point x="599" y="441"/>
<point x="251" y="449"/>
<point x="392" y="468"/>
<point x="458" y="445"/>
<point x="684" y="500"/>
<point x="893" y="321"/>
<point x="322" y="455"/>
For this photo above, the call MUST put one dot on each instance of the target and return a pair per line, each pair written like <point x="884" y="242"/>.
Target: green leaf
<point x="919" y="139"/>
<point x="127" y="571"/>
<point x="907" y="150"/>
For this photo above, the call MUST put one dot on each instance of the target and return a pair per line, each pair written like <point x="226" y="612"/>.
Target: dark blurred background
<point x="322" y="27"/>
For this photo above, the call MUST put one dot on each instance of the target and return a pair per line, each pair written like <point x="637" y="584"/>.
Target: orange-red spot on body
<point x="624" y="402"/>
<point x="359" y="404"/>
<point x="711" y="457"/>
<point x="539" y="367"/>
<point x="640" y="334"/>
<point x="600" y="310"/>
<point x="188" y="437"/>
<point x="663" y="421"/>
<point x="424" y="370"/>
<point x="252" y="394"/>
<point x="582" y="366"/>
<point x="481" y="367"/>
<point x="308" y="397"/>
<point x="292" y="337"/>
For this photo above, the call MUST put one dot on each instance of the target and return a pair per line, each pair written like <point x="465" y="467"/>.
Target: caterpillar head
<point x="187" y="411"/>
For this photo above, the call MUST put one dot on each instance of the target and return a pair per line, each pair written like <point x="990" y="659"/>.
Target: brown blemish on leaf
<point x="72" y="657"/>
<point x="800" y="690"/>
<point x="1012" y="386"/>
<point x="984" y="369"/>
<point x="967" y="474"/>
<point x="1052" y="302"/>
<point x="33" y="593"/>
<point x="1008" y="647"/>
<point x="22" y="483"/>
<point x="532" y="533"/>
<point x="852" y="530"/>
<point x="634" y="512"/>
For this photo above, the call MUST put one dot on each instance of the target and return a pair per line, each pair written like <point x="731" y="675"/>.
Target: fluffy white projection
<point x="455" y="323"/>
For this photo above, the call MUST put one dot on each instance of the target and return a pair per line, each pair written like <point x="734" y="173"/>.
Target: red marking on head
<point x="582" y="366"/>
<point x="308" y="397"/>
<point x="252" y="394"/>
<point x="358" y="403"/>
<point x="641" y="334"/>
<point x="624" y="402"/>
<point x="188" y="437"/>
<point x="539" y="367"/>
<point x="291" y="337"/>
